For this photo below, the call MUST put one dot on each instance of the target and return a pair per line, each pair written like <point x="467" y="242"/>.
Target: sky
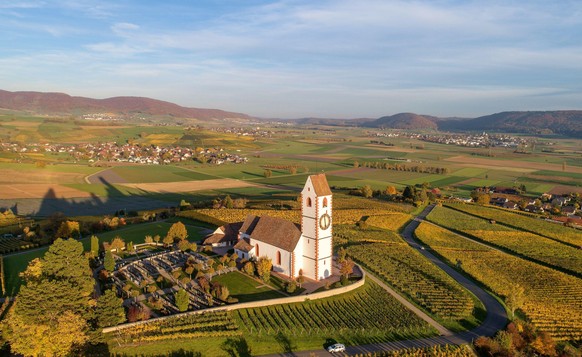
<point x="292" y="59"/>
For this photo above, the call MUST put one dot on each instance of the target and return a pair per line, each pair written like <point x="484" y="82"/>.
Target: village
<point x="127" y="153"/>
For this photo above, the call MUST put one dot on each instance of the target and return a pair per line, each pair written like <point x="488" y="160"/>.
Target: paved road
<point x="496" y="316"/>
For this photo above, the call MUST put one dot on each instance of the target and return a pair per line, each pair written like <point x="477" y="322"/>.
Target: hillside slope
<point x="64" y="104"/>
<point x="409" y="121"/>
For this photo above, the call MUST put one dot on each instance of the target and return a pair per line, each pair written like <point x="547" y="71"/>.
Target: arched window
<point x="325" y="202"/>
<point x="257" y="250"/>
<point x="278" y="258"/>
<point x="308" y="201"/>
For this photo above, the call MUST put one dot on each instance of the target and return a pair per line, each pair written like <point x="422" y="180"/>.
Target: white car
<point x="338" y="347"/>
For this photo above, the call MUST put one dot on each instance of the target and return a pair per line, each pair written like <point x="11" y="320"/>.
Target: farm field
<point x="552" y="299"/>
<point x="404" y="269"/>
<point x="525" y="223"/>
<point x="525" y="244"/>
<point x="281" y="328"/>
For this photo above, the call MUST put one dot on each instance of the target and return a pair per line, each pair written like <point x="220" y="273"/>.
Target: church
<point x="291" y="247"/>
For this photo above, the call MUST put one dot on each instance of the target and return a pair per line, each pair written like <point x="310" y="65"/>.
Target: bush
<point x="344" y="280"/>
<point x="291" y="286"/>
<point x="231" y="300"/>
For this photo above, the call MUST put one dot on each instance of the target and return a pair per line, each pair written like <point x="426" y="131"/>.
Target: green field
<point x="245" y="288"/>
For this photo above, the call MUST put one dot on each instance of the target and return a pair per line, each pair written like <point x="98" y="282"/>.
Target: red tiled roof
<point x="277" y="232"/>
<point x="230" y="234"/>
<point x="244" y="246"/>
<point x="320" y="185"/>
<point x="249" y="224"/>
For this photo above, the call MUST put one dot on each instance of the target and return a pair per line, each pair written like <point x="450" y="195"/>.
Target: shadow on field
<point x="113" y="200"/>
<point x="237" y="347"/>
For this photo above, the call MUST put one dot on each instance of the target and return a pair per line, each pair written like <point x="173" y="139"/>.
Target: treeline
<point x="403" y="167"/>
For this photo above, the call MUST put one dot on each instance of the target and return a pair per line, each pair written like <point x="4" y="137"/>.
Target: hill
<point x="64" y="104"/>
<point x="409" y="121"/>
<point x="564" y="122"/>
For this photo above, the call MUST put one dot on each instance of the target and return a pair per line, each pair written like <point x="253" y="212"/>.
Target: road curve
<point x="495" y="320"/>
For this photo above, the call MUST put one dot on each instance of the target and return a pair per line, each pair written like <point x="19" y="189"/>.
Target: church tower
<point x="316" y="228"/>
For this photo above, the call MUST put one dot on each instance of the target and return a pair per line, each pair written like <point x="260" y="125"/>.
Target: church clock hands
<point x="325" y="221"/>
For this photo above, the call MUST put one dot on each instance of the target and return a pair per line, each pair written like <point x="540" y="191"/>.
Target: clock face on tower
<point x="325" y="221"/>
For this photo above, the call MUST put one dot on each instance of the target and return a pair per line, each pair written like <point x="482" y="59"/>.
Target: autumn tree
<point x="177" y="231"/>
<point x="390" y="191"/>
<point x="182" y="300"/>
<point x="341" y="255"/>
<point x="109" y="261"/>
<point x="149" y="239"/>
<point x="157" y="238"/>
<point x="117" y="244"/>
<point x="249" y="268"/>
<point x="263" y="267"/>
<point x="54" y="303"/>
<point x="347" y="267"/>
<point x="267" y="173"/>
<point x="366" y="191"/>
<point x="184" y="245"/>
<point x="109" y="310"/>
<point x="68" y="229"/>
<point x="515" y="298"/>
<point x="228" y="202"/>
<point x="94" y="245"/>
<point x="300" y="278"/>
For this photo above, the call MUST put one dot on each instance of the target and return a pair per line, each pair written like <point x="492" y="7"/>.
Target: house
<point x="560" y="201"/>
<point x="533" y="209"/>
<point x="510" y="205"/>
<point x="223" y="236"/>
<point x="499" y="201"/>
<point x="293" y="247"/>
<point x="569" y="210"/>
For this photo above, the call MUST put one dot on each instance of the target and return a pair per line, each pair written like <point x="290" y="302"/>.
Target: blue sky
<point x="325" y="58"/>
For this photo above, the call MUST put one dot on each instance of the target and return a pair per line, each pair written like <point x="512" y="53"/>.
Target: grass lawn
<point x="136" y="233"/>
<point x="245" y="288"/>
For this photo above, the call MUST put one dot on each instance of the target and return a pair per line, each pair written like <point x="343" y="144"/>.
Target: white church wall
<point x="271" y="252"/>
<point x="324" y="269"/>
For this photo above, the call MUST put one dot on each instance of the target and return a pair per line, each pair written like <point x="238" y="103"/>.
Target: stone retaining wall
<point x="252" y="304"/>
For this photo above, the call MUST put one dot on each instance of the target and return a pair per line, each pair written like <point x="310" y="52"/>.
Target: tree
<point x="168" y="240"/>
<point x="390" y="191"/>
<point x="189" y="270"/>
<point x="68" y="229"/>
<point x="366" y="191"/>
<point x="149" y="239"/>
<point x="263" y="266"/>
<point x="291" y="286"/>
<point x="184" y="245"/>
<point x="228" y="202"/>
<point x="481" y="197"/>
<point x="94" y="245"/>
<point x="356" y="164"/>
<point x="293" y="170"/>
<point x="54" y="303"/>
<point x="130" y="246"/>
<point x="515" y="298"/>
<point x="249" y="268"/>
<point x="347" y="267"/>
<point x="177" y="231"/>
<point x="109" y="261"/>
<point x="117" y="244"/>
<point x="341" y="255"/>
<point x="182" y="300"/>
<point x="157" y="238"/>
<point x="109" y="310"/>
<point x="44" y="339"/>
<point x="408" y="192"/>
<point x="268" y="173"/>
<point x="300" y="278"/>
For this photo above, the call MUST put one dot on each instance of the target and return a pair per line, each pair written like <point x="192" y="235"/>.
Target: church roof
<point x="230" y="234"/>
<point x="249" y="224"/>
<point x="320" y="185"/>
<point x="276" y="232"/>
<point x="244" y="246"/>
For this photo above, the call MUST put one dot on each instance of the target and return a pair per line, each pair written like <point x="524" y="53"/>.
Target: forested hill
<point x="564" y="122"/>
<point x="64" y="104"/>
